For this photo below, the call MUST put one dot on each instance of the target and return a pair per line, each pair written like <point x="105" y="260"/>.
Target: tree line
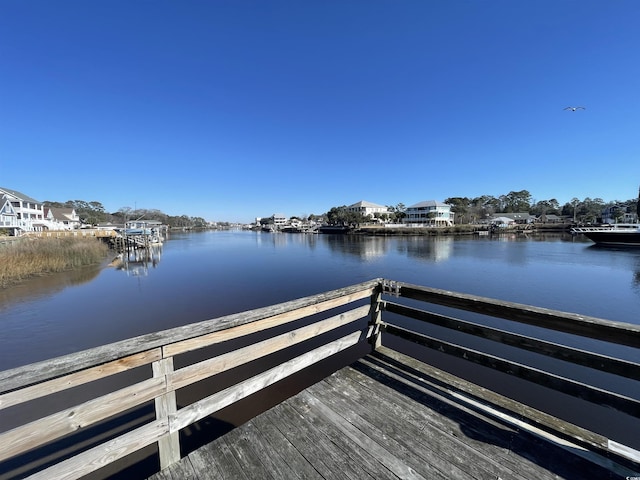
<point x="588" y="210"/>
<point x="93" y="213"/>
<point x="466" y="210"/>
<point x="473" y="210"/>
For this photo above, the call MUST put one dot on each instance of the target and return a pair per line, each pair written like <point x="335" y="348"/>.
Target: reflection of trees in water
<point x="359" y="246"/>
<point x="433" y="249"/>
<point x="282" y="239"/>
<point x="47" y="285"/>
<point x="426" y="248"/>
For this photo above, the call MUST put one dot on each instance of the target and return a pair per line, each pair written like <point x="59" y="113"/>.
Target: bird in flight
<point x="573" y="109"/>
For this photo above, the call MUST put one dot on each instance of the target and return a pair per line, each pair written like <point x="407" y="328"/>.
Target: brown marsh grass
<point x="27" y="257"/>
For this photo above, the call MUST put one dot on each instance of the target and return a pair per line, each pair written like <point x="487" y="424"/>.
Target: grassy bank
<point x="459" y="230"/>
<point x="28" y="257"/>
<point x="430" y="231"/>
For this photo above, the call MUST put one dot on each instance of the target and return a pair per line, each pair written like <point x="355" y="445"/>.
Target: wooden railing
<point x="353" y="314"/>
<point x="48" y="378"/>
<point x="579" y="327"/>
<point x="81" y="233"/>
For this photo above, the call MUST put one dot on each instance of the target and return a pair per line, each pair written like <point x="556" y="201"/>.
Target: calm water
<point x="206" y="275"/>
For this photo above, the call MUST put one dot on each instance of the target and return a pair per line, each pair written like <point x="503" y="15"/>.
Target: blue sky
<point x="230" y="110"/>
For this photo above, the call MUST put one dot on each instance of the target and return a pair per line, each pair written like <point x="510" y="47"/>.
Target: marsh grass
<point x="28" y="257"/>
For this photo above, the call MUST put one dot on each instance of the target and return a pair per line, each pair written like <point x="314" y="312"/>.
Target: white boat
<point x="615" y="235"/>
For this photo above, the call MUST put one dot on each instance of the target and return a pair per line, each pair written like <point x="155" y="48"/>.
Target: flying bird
<point x="573" y="109"/>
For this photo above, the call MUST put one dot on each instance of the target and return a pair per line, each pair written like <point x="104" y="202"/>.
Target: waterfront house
<point x="519" y="218"/>
<point x="20" y="213"/>
<point x="502" y="222"/>
<point x="618" y="214"/>
<point x="429" y="212"/>
<point x="109" y="226"/>
<point x="367" y="209"/>
<point x="551" y="218"/>
<point x="60" y="218"/>
<point x="279" y="219"/>
<point x="8" y="215"/>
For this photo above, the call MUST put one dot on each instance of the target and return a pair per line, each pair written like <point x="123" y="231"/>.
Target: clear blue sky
<point x="235" y="109"/>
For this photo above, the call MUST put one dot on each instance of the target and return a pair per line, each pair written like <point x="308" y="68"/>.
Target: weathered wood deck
<point x="386" y="417"/>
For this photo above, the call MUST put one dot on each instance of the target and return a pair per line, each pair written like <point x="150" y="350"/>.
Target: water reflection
<point x="136" y="262"/>
<point x="282" y="239"/>
<point x="433" y="249"/>
<point x="47" y="285"/>
<point x="629" y="256"/>
<point x="364" y="248"/>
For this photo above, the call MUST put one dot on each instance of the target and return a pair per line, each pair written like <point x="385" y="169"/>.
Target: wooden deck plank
<point x="220" y="455"/>
<point x="479" y="447"/>
<point x="372" y="421"/>
<point x="442" y="428"/>
<point x="322" y="455"/>
<point x="204" y="463"/>
<point x="402" y="463"/>
<point x="179" y="471"/>
<point x="285" y="450"/>
<point x="543" y="453"/>
<point x="318" y="422"/>
<point x="444" y="452"/>
<point x="250" y="460"/>
<point x="252" y="442"/>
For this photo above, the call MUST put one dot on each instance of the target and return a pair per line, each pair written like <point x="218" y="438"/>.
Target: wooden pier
<point x="402" y="410"/>
<point x="387" y="416"/>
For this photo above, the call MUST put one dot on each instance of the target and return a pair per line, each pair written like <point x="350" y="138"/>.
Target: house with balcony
<point x="20" y="213"/>
<point x="279" y="219"/>
<point x="367" y="209"/>
<point x="429" y="213"/>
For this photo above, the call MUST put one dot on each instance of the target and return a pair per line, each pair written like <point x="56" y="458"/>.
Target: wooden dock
<point x="387" y="417"/>
<point x="470" y="408"/>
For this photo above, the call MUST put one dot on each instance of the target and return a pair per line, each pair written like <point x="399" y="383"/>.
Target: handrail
<point x="617" y="333"/>
<point x="20" y="377"/>
<point x="573" y="323"/>
<point x="346" y="308"/>
<point x="159" y="349"/>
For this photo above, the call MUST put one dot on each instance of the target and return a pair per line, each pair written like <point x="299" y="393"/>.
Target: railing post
<point x="376" y="317"/>
<point x="168" y="446"/>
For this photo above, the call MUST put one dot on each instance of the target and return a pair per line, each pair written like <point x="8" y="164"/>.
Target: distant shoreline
<point x="458" y="230"/>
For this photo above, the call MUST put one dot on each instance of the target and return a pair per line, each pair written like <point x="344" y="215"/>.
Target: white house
<point x="520" y="218"/>
<point x="429" y="212"/>
<point x="279" y="219"/>
<point x="8" y="215"/>
<point x="502" y="222"/>
<point x="20" y="213"/>
<point x="367" y="209"/>
<point x="60" y="218"/>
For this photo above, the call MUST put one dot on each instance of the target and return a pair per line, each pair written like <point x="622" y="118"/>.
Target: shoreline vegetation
<point x="458" y="230"/>
<point x="28" y="257"/>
